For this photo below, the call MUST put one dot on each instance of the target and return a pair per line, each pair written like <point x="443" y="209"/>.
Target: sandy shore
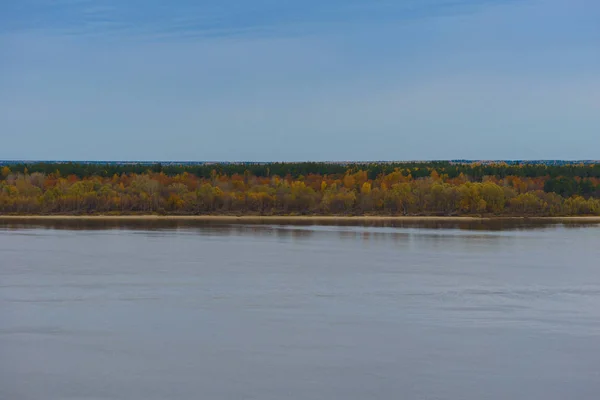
<point x="289" y="219"/>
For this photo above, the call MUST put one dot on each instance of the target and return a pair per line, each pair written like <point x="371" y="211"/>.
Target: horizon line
<point x="133" y="161"/>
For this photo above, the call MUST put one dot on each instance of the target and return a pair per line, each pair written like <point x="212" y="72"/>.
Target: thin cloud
<point x="213" y="18"/>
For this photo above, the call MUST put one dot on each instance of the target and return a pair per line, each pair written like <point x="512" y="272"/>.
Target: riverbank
<point x="291" y="219"/>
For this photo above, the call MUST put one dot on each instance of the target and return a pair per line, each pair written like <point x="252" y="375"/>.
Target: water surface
<point x="201" y="311"/>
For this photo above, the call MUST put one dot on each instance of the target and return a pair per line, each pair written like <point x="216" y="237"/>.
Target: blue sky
<point x="299" y="80"/>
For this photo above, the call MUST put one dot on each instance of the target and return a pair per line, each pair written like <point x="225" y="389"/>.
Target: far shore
<point x="293" y="218"/>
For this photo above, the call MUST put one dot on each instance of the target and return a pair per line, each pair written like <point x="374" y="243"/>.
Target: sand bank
<point x="290" y="219"/>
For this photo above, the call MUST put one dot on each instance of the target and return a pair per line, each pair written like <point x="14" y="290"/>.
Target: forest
<point x="411" y="188"/>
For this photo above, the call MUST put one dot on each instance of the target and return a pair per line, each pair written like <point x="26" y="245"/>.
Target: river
<point x="202" y="311"/>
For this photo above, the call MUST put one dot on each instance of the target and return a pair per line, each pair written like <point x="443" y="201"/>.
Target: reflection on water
<point x="256" y="227"/>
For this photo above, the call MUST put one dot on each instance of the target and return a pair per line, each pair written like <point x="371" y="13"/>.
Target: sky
<point x="310" y="80"/>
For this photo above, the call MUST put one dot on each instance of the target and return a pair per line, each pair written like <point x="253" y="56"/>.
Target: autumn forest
<point x="428" y="188"/>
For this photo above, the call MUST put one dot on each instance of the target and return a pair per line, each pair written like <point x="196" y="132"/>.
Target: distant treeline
<point x="432" y="188"/>
<point x="474" y="171"/>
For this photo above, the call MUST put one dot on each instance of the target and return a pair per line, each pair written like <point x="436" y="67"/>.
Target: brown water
<point x="188" y="311"/>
